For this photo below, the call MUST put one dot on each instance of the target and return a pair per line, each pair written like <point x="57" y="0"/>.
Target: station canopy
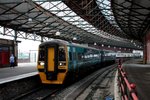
<point x="56" y="19"/>
<point x="133" y="17"/>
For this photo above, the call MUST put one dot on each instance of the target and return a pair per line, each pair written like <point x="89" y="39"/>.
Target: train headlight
<point x="60" y="64"/>
<point x="42" y="63"/>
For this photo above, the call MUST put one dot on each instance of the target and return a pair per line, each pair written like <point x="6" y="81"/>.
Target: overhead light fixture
<point x="74" y="38"/>
<point x="95" y="43"/>
<point x="29" y="19"/>
<point x="47" y="23"/>
<point x="39" y="0"/>
<point x="57" y="33"/>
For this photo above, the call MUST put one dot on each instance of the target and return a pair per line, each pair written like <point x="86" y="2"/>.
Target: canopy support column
<point x="15" y="48"/>
<point x="147" y="48"/>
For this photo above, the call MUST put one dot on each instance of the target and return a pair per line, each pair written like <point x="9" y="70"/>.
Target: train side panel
<point x="108" y="57"/>
<point x="82" y="60"/>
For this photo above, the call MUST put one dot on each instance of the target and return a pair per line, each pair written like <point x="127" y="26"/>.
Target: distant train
<point x="60" y="60"/>
<point x="128" y="55"/>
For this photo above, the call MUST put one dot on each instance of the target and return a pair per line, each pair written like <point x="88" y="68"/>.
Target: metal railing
<point x="126" y="89"/>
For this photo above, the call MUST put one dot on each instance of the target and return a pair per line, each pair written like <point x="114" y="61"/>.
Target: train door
<point x="51" y="65"/>
<point x="70" y="58"/>
<point x="51" y="58"/>
<point x="74" y="58"/>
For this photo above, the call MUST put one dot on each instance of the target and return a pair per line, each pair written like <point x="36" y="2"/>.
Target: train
<point x="128" y="55"/>
<point x="61" y="61"/>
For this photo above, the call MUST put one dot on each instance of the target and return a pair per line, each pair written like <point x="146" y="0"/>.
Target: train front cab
<point x="52" y="64"/>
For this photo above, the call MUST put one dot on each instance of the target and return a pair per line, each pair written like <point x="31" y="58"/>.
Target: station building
<point x="7" y="47"/>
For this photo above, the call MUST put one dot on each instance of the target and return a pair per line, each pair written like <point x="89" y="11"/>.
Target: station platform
<point x="140" y="75"/>
<point x="23" y="70"/>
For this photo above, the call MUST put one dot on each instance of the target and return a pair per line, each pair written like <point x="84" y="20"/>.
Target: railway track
<point x="100" y="88"/>
<point x="82" y="90"/>
<point x="40" y="93"/>
<point x="100" y="79"/>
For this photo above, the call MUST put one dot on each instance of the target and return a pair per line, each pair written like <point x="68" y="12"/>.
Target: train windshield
<point x="41" y="54"/>
<point x="62" y="54"/>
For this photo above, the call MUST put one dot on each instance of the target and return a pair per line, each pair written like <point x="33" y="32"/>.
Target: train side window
<point x="79" y="56"/>
<point x="70" y="56"/>
<point x="62" y="55"/>
<point x="74" y="55"/>
<point x="41" y="54"/>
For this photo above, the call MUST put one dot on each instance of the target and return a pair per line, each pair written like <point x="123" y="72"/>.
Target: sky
<point x="27" y="45"/>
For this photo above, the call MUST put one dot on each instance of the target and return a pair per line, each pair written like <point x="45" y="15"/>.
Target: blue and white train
<point x="60" y="60"/>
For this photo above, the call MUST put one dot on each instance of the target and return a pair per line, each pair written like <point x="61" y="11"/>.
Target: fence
<point x="127" y="89"/>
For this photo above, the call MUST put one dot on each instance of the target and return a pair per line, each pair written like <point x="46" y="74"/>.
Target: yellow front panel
<point x="60" y="78"/>
<point x="50" y="59"/>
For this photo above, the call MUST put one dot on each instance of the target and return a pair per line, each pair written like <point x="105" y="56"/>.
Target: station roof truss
<point x="133" y="17"/>
<point x="97" y="13"/>
<point x="55" y="19"/>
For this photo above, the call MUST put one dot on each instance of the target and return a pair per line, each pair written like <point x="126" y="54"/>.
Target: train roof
<point x="55" y="41"/>
<point x="62" y="42"/>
